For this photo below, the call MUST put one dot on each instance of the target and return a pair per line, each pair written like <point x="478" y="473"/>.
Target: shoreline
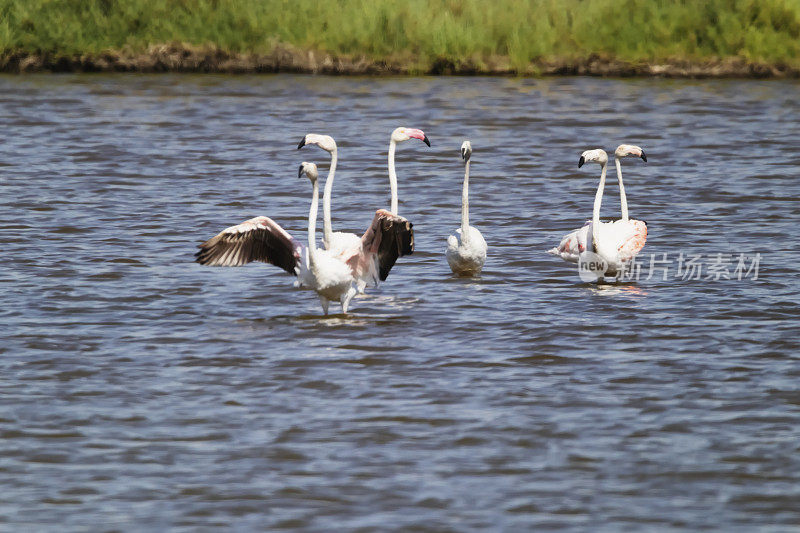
<point x="192" y="59"/>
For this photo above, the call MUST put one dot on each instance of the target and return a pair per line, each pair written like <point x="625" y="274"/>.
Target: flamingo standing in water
<point x="615" y="242"/>
<point x="466" y="250"/>
<point x="262" y="239"/>
<point x="388" y="236"/>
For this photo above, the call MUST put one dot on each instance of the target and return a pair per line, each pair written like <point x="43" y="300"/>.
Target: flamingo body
<point x="329" y="277"/>
<point x="620" y="242"/>
<point x="466" y="257"/>
<point x="341" y="242"/>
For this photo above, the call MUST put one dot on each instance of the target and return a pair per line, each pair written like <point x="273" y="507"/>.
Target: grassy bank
<point x="412" y="36"/>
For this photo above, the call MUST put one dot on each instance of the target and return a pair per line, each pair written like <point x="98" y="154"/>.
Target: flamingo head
<point x="466" y="151"/>
<point x="403" y="134"/>
<point x="310" y="170"/>
<point x="325" y="142"/>
<point x="593" y="156"/>
<point x="624" y="150"/>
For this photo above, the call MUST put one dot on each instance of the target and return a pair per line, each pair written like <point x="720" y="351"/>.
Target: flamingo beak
<point x="644" y="157"/>
<point x="302" y="143"/>
<point x="425" y="140"/>
<point x="581" y="161"/>
<point x="300" y="172"/>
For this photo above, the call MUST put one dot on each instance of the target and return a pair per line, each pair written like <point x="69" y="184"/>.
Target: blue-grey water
<point x="141" y="391"/>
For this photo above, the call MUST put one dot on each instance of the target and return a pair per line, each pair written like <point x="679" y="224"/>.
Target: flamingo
<point x="615" y="242"/>
<point x="466" y="251"/>
<point x="262" y="239"/>
<point x="334" y="241"/>
<point x="624" y="150"/>
<point x="389" y="236"/>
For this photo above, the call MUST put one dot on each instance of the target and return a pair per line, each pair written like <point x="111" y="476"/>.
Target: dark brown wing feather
<point x="258" y="239"/>
<point x="388" y="237"/>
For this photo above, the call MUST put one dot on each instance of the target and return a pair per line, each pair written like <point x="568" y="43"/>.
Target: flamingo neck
<point x="465" y="205"/>
<point x="312" y="225"/>
<point x="623" y="200"/>
<point x="392" y="176"/>
<point x="327" y="225"/>
<point x="598" y="198"/>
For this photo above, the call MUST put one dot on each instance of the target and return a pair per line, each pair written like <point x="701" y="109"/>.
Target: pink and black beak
<point x="302" y="143"/>
<point x="644" y="157"/>
<point x="414" y="133"/>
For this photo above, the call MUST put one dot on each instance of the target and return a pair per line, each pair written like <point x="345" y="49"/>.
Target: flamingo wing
<point x="257" y="239"/>
<point x="630" y="237"/>
<point x="574" y="243"/>
<point x="387" y="238"/>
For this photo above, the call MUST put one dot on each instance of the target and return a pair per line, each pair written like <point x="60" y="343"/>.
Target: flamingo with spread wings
<point x="262" y="239"/>
<point x="388" y="237"/>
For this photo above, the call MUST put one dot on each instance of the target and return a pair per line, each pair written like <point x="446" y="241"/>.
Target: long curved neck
<point x="327" y="225"/>
<point x="623" y="200"/>
<point x="465" y="205"/>
<point x="598" y="198"/>
<point x="392" y="176"/>
<point x="312" y="224"/>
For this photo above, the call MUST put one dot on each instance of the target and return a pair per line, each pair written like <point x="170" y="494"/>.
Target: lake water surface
<point x="141" y="391"/>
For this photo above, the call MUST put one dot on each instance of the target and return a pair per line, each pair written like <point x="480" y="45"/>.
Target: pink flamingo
<point x="616" y="242"/>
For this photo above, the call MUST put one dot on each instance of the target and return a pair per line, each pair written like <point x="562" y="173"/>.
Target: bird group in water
<point x="347" y="264"/>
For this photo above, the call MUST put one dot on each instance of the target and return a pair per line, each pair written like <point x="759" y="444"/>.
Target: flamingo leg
<point x="347" y="297"/>
<point x="361" y="286"/>
<point x="325" y="302"/>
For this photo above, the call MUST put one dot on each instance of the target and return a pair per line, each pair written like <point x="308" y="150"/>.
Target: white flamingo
<point x="466" y="250"/>
<point x="615" y="242"/>
<point x="334" y="241"/>
<point x="262" y="239"/>
<point x="388" y="236"/>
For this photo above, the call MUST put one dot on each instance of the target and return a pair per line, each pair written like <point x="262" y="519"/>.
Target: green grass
<point x="417" y="32"/>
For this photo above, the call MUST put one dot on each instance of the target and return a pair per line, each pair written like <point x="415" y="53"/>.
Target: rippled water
<point x="143" y="391"/>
